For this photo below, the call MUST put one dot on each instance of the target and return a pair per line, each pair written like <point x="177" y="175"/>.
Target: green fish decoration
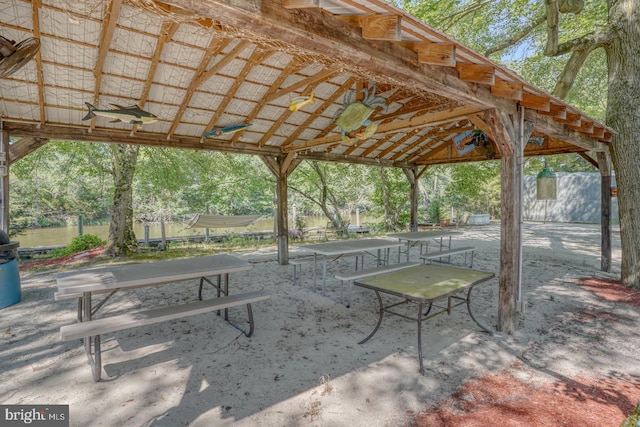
<point x="131" y="114"/>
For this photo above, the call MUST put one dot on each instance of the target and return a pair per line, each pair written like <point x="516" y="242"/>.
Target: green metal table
<point x="425" y="285"/>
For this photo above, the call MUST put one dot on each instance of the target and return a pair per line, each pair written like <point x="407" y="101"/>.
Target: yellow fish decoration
<point x="300" y="102"/>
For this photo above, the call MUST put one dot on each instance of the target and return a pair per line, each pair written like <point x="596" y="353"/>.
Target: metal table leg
<point x="381" y="313"/>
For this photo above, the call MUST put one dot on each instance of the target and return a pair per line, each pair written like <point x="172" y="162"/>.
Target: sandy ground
<point x="303" y="365"/>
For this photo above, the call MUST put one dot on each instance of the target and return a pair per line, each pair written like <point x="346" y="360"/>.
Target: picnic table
<point x="422" y="238"/>
<point x="424" y="285"/>
<point x="379" y="248"/>
<point x="83" y="285"/>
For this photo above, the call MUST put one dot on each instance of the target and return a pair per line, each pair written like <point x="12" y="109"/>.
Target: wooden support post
<point x="281" y="167"/>
<point x="4" y="181"/>
<point x="502" y="129"/>
<point x="605" y="208"/>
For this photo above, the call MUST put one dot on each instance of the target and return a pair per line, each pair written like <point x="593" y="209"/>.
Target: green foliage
<point x="436" y="211"/>
<point x="79" y="244"/>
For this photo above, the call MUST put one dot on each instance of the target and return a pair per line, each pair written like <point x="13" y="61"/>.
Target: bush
<point x="79" y="244"/>
<point x="436" y="211"/>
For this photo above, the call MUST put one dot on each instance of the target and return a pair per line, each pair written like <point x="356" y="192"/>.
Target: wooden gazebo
<point x="213" y="66"/>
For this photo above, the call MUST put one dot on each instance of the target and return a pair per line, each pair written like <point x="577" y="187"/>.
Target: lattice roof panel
<point x="200" y="65"/>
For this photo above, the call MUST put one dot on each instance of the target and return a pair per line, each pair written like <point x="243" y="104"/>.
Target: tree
<point x="121" y="235"/>
<point x="336" y="189"/>
<point x="576" y="37"/>
<point x="391" y="194"/>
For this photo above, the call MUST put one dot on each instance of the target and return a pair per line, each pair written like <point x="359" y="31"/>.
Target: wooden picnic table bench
<point x="350" y="277"/>
<point x="83" y="285"/>
<point x="431" y="256"/>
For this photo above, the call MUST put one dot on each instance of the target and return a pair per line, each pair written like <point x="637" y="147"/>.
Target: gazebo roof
<point x="204" y="65"/>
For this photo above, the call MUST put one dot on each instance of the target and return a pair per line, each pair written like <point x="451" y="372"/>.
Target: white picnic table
<point x="83" y="285"/>
<point x="338" y="248"/>
<point x="422" y="238"/>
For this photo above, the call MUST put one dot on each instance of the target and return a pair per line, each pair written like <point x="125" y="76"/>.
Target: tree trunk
<point x="623" y="115"/>
<point x="391" y="219"/>
<point x="121" y="235"/>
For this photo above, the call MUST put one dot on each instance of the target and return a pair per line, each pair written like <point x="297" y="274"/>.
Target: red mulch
<point x="68" y="259"/>
<point x="504" y="401"/>
<point x="611" y="290"/>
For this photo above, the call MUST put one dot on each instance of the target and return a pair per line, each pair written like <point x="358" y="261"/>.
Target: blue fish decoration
<point x="466" y="141"/>
<point x="226" y="130"/>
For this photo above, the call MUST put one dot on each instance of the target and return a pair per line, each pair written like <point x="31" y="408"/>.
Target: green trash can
<point x="10" y="292"/>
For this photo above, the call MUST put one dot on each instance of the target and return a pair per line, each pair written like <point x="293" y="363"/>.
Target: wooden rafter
<point x="425" y="149"/>
<point x="397" y="143"/>
<point x="321" y="109"/>
<point x="312" y="81"/>
<point x="35" y="7"/>
<point x="108" y="29"/>
<point x="24" y="146"/>
<point x="476" y="73"/>
<point x="434" y="146"/>
<point x="320" y="76"/>
<point x="291" y="67"/>
<point x="430" y="119"/>
<point x="215" y="46"/>
<point x="377" y="27"/>
<point x="256" y="58"/>
<point x="376" y="145"/>
<point x="434" y="133"/>
<point x="507" y="89"/>
<point x="433" y="53"/>
<point x="168" y="31"/>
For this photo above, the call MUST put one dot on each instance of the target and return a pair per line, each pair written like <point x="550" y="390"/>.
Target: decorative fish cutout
<point x="225" y="130"/>
<point x="131" y="114"/>
<point x="474" y="140"/>
<point x="465" y="142"/>
<point x="300" y="102"/>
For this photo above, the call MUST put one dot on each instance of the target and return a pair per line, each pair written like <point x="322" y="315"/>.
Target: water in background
<point x="63" y="235"/>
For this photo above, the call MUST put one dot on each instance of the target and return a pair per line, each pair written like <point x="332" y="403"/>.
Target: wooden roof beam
<point x="555" y="110"/>
<point x="319" y="32"/>
<point x="256" y="58"/>
<point x="24" y="146"/>
<point x="434" y="137"/>
<point x="507" y="89"/>
<point x="548" y="126"/>
<point x="443" y="54"/>
<point x="121" y="136"/>
<point x="536" y="102"/>
<point x="215" y="46"/>
<point x="320" y="76"/>
<point x="477" y="73"/>
<point x="35" y="6"/>
<point x="501" y="129"/>
<point x="397" y="143"/>
<point x="434" y="146"/>
<point x="302" y="4"/>
<point x="376" y="145"/>
<point x="429" y="119"/>
<point x="166" y="33"/>
<point x="326" y="104"/>
<point x="377" y="27"/>
<point x="292" y="67"/>
<point x="108" y="28"/>
<point x="571" y="119"/>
